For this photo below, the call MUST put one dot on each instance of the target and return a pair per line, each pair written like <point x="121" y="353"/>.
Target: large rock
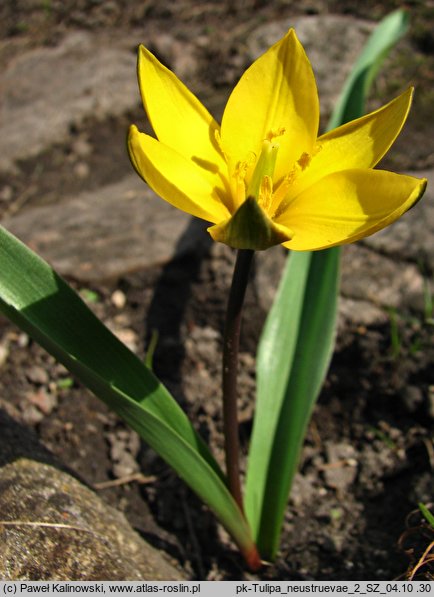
<point x="107" y="233"/>
<point x="357" y="312"/>
<point x="47" y="90"/>
<point x="54" y="528"/>
<point x="369" y="276"/>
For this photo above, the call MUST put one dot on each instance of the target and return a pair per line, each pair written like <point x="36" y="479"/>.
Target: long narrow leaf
<point x="288" y="385"/>
<point x="34" y="297"/>
<point x="351" y="103"/>
<point x="427" y="514"/>
<point x="298" y="338"/>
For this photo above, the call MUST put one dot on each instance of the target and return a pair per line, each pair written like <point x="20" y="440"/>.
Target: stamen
<point x="273" y="133"/>
<point x="304" y="160"/>
<point x="266" y="193"/>
<point x="280" y="194"/>
<point x="240" y="187"/>
<point x="241" y="170"/>
<point x="264" y="167"/>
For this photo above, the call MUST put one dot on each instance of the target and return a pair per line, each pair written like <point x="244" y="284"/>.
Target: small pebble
<point x="32" y="415"/>
<point x="23" y="340"/>
<point x="37" y="375"/>
<point x="82" y="147"/>
<point x="81" y="170"/>
<point x="128" y="337"/>
<point x="118" y="299"/>
<point x="44" y="401"/>
<point x="6" y="193"/>
<point x="4" y="353"/>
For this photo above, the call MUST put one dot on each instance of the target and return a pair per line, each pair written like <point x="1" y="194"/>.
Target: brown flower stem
<point x="231" y="343"/>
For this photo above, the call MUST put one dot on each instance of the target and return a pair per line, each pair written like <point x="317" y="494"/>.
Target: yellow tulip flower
<point x="264" y="177"/>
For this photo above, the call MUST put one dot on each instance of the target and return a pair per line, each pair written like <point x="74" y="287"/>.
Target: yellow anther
<point x="266" y="193"/>
<point x="241" y="170"/>
<point x="304" y="160"/>
<point x="280" y="200"/>
<point x="239" y="175"/>
<point x="273" y="133"/>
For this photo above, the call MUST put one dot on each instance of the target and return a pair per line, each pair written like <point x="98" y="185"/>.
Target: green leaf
<point x="89" y="295"/>
<point x="65" y="383"/>
<point x="42" y="304"/>
<point x="298" y="337"/>
<point x="429" y="517"/>
<point x="351" y="103"/>
<point x="300" y="326"/>
<point x="149" y="357"/>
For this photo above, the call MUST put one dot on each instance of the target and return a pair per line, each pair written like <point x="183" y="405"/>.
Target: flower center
<point x="261" y="183"/>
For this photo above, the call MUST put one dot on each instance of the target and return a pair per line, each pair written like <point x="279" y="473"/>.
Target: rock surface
<point x="109" y="232"/>
<point x="54" y="528"/>
<point x="369" y="276"/>
<point x="48" y="90"/>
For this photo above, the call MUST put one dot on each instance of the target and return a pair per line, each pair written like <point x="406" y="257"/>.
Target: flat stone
<point x="54" y="528"/>
<point x="179" y="55"/>
<point x="46" y="90"/>
<point x="412" y="236"/>
<point x="303" y="490"/>
<point x="412" y="398"/>
<point x="369" y="276"/>
<point x="341" y="468"/>
<point x="359" y="312"/>
<point x="110" y="232"/>
<point x="332" y="43"/>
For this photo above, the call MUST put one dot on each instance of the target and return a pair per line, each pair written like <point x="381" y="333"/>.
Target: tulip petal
<point x="346" y="206"/>
<point x="278" y="91"/>
<point x="176" y="179"/>
<point x="360" y="143"/>
<point x="178" y="118"/>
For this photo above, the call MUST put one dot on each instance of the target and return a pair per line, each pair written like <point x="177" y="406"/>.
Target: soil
<point x="368" y="456"/>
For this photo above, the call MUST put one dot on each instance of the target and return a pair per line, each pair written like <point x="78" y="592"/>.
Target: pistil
<point x="264" y="167"/>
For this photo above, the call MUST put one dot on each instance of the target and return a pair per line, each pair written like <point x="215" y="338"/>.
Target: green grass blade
<point x="429" y="517"/>
<point x="298" y="337"/>
<point x="34" y="297"/>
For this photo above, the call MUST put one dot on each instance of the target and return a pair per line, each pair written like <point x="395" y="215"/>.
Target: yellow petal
<point x="250" y="228"/>
<point x="278" y="91"/>
<point x="177" y="180"/>
<point x="347" y="206"/>
<point x="360" y="143"/>
<point x="178" y="118"/>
